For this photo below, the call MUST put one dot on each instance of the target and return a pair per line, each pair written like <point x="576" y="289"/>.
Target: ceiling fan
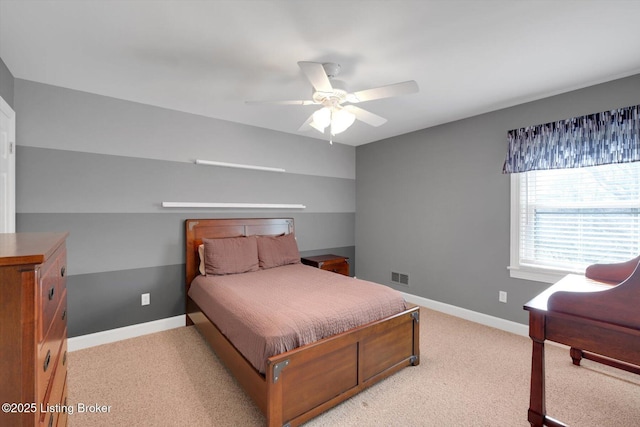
<point x="338" y="112"/>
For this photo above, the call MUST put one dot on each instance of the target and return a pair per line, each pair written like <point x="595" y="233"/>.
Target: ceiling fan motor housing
<point x="337" y="96"/>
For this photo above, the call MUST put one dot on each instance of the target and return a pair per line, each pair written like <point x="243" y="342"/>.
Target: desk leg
<point x="537" y="409"/>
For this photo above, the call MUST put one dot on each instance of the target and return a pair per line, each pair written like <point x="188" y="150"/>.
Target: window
<point x="562" y="220"/>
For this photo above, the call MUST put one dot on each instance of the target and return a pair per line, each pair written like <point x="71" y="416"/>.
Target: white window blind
<point x="566" y="219"/>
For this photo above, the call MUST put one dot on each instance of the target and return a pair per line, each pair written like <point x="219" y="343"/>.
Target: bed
<point x="299" y="384"/>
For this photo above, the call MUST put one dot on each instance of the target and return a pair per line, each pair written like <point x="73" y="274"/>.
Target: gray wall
<point x="100" y="168"/>
<point x="6" y="83"/>
<point x="434" y="203"/>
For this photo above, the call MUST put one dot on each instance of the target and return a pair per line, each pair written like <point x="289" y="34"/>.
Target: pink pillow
<point x="274" y="251"/>
<point x="230" y="256"/>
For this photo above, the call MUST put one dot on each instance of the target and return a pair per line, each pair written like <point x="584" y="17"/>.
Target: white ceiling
<point x="209" y="57"/>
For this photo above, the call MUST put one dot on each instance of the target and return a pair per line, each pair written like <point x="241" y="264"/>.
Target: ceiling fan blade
<point x="366" y="116"/>
<point x="307" y="124"/>
<point x="292" y="102"/>
<point x="317" y="76"/>
<point x="388" y="91"/>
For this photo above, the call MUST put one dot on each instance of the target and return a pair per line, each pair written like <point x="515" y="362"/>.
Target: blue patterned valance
<point x="597" y="139"/>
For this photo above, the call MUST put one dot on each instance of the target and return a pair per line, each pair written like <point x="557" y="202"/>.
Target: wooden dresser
<point x="33" y="329"/>
<point x="337" y="264"/>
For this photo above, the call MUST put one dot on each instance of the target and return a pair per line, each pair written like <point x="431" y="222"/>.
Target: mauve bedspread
<point x="268" y="312"/>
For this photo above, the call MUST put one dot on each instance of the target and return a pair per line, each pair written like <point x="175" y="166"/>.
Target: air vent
<point x="400" y="278"/>
<point x="404" y="279"/>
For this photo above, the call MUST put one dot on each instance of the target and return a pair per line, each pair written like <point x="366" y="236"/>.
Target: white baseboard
<point x="473" y="316"/>
<point x="113" y="335"/>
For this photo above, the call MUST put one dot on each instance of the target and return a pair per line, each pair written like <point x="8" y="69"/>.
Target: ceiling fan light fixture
<point x="321" y="119"/>
<point x="316" y="127"/>
<point x="341" y="119"/>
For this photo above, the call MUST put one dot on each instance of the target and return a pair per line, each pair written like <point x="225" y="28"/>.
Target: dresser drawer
<point x="50" y="349"/>
<point x="53" y="283"/>
<point x="54" y="394"/>
<point x="49" y="420"/>
<point x="62" y="417"/>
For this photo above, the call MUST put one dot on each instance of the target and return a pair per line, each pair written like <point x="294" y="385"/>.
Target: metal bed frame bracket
<point x="416" y="316"/>
<point x="278" y="368"/>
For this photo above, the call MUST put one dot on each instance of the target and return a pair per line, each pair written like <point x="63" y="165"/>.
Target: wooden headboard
<point x="197" y="229"/>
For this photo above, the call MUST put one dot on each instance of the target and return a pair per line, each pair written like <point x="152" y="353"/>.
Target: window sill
<point x="538" y="274"/>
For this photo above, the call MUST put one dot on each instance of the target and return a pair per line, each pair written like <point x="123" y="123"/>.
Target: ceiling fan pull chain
<point x="331" y="129"/>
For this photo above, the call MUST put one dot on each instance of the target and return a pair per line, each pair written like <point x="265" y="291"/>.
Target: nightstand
<point x="334" y="263"/>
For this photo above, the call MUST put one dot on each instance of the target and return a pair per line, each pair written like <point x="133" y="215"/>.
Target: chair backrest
<point x="612" y="273"/>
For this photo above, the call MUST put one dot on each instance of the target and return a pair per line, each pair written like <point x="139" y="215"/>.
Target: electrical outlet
<point x="145" y="299"/>
<point x="502" y="296"/>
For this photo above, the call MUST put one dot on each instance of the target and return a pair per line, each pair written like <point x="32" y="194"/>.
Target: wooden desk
<point x="594" y="319"/>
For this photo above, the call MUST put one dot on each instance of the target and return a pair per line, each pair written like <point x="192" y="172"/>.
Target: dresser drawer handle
<point x="62" y="271"/>
<point x="51" y="421"/>
<point x="51" y="292"/>
<point x="64" y="314"/>
<point x="47" y="360"/>
<point x="64" y="358"/>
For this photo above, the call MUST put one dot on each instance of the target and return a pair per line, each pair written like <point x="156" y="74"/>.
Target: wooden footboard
<point x="303" y="383"/>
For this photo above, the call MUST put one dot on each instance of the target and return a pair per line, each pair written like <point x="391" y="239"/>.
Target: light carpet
<point x="469" y="375"/>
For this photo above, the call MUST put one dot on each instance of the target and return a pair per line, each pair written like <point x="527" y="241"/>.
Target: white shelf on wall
<point x="233" y="205"/>
<point x="237" y="165"/>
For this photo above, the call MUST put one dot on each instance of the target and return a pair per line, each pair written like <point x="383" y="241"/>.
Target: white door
<point x="7" y="168"/>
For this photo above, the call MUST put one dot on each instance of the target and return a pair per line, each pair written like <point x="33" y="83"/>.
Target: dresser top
<point x="28" y="248"/>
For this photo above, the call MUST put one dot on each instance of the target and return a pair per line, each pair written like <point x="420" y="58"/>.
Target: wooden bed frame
<point x="300" y="384"/>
